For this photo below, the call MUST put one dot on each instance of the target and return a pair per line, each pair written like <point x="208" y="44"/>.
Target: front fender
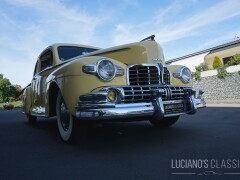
<point x="26" y="100"/>
<point x="72" y="82"/>
<point x="72" y="87"/>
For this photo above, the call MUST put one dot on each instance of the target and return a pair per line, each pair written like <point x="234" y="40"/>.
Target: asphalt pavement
<point x="133" y="150"/>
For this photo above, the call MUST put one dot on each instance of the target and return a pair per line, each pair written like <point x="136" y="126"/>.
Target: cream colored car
<point x="78" y="83"/>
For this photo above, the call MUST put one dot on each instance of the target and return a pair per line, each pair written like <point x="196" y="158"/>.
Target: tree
<point x="217" y="63"/>
<point x="8" y="92"/>
<point x="18" y="90"/>
<point x="4" y="89"/>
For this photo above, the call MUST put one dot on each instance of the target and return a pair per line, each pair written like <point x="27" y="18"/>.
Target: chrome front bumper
<point x="100" y="110"/>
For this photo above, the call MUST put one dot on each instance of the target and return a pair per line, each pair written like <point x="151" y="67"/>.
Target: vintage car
<point x="78" y="83"/>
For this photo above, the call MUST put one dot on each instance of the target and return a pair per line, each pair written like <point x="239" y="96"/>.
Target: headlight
<point x="106" y="70"/>
<point x="184" y="74"/>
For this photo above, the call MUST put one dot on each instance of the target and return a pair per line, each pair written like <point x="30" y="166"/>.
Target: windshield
<point x="68" y="52"/>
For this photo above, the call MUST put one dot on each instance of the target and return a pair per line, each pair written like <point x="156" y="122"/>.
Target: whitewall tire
<point x="65" y="121"/>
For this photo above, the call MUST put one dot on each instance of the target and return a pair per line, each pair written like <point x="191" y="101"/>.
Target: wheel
<point x="31" y="119"/>
<point x="65" y="121"/>
<point x="69" y="128"/>
<point x="165" y="122"/>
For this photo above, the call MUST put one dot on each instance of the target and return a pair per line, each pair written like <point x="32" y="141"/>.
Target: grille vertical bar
<point x="166" y="76"/>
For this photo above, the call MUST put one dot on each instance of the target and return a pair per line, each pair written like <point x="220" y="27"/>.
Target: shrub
<point x="222" y="72"/>
<point x="197" y="75"/>
<point x="202" y="67"/>
<point x="8" y="106"/>
<point x="235" y="60"/>
<point x="217" y="63"/>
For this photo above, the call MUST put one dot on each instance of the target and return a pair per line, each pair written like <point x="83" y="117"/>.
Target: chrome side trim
<point x="90" y="68"/>
<point x="97" y="97"/>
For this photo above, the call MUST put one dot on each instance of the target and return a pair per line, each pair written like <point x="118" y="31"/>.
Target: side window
<point x="46" y="60"/>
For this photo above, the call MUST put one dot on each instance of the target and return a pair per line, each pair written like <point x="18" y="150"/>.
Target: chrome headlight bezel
<point x="93" y="68"/>
<point x="184" y="73"/>
<point x="110" y="64"/>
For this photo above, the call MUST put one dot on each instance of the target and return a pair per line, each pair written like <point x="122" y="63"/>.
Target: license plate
<point x="174" y="108"/>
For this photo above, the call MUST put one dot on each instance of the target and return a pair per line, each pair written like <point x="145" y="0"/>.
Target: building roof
<point x="206" y="50"/>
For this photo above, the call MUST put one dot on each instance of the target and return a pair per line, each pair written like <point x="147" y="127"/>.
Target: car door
<point x="39" y="82"/>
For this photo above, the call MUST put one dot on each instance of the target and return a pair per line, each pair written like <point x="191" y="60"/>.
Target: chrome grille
<point x="148" y="75"/>
<point x="143" y="93"/>
<point x="143" y="75"/>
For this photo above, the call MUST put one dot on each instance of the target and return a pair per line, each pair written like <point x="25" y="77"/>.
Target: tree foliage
<point x="197" y="75"/>
<point x="235" y="60"/>
<point x="202" y="67"/>
<point x="8" y="92"/>
<point x="217" y="63"/>
<point x="222" y="72"/>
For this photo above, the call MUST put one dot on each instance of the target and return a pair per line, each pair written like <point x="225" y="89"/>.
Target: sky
<point x="181" y="27"/>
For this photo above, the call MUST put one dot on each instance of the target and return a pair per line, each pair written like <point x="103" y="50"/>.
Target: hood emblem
<point x="157" y="59"/>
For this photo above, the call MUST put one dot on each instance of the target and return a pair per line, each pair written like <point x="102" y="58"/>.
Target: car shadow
<point x="126" y="136"/>
<point x="134" y="134"/>
<point x="120" y="135"/>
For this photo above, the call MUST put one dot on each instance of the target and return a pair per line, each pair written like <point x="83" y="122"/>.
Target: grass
<point x="17" y="104"/>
